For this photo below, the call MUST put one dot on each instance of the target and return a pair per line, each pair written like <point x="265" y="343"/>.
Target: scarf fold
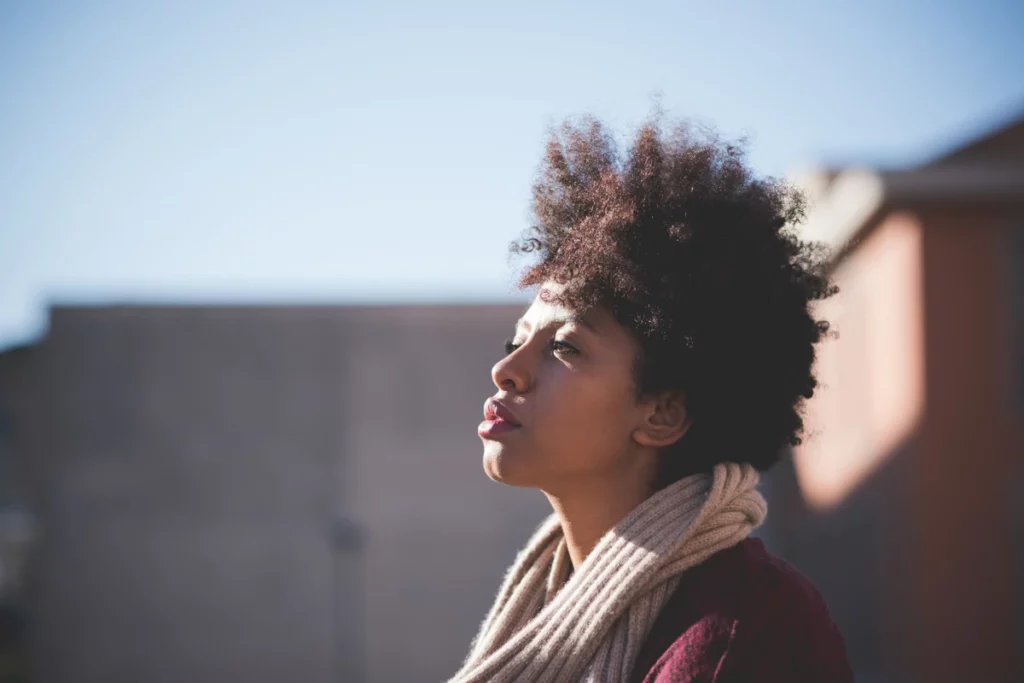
<point x="552" y="627"/>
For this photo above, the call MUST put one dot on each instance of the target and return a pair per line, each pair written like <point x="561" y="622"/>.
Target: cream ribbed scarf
<point x="590" y="627"/>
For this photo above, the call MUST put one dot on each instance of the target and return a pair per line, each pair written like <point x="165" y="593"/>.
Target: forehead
<point x="545" y="308"/>
<point x="540" y="310"/>
<point x="544" y="311"/>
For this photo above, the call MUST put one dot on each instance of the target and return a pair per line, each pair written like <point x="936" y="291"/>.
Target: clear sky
<point x="357" y="151"/>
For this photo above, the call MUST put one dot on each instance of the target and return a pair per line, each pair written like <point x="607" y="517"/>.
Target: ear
<point x="665" y="420"/>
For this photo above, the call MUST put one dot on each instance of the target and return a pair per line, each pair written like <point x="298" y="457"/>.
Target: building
<point x="260" y="494"/>
<point x="912" y="483"/>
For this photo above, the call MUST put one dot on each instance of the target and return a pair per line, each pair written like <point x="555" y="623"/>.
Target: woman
<point x="662" y="364"/>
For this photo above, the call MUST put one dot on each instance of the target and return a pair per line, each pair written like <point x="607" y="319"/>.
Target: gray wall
<point x="267" y="494"/>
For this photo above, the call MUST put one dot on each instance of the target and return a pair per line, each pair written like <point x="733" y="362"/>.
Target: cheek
<point x="586" y="420"/>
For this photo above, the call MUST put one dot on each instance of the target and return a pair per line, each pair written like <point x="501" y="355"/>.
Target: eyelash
<point x="556" y="345"/>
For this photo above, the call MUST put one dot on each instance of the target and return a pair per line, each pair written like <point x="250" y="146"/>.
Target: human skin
<point x="566" y="418"/>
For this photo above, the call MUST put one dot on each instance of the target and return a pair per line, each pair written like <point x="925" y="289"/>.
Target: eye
<point x="560" y="346"/>
<point x="510" y="346"/>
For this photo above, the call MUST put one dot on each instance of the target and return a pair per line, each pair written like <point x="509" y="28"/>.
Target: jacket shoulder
<point x="744" y="615"/>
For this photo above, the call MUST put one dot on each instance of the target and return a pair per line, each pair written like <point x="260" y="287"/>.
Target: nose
<point x="511" y="372"/>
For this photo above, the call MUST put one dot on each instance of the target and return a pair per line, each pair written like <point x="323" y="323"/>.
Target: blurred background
<point x="254" y="273"/>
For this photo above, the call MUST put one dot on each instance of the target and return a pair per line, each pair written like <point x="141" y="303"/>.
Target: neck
<point x="591" y="507"/>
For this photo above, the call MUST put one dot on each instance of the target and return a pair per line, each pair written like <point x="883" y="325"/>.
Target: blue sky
<point x="341" y="151"/>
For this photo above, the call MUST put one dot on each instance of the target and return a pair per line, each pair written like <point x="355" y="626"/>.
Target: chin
<point x="503" y="467"/>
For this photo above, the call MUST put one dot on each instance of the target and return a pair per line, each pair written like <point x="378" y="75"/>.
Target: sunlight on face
<point x="565" y="406"/>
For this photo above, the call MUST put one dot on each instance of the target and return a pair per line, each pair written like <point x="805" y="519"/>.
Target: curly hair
<point x="700" y="260"/>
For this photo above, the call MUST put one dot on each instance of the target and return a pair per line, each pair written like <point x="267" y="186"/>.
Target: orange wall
<point x="966" y="598"/>
<point x="915" y="452"/>
<point x="853" y="467"/>
<point x="871" y="374"/>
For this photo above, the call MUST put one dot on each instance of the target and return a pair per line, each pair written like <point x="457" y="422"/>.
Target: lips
<point x="498" y="420"/>
<point x="496" y="411"/>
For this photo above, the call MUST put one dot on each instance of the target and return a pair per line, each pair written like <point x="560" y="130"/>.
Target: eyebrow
<point x="522" y="322"/>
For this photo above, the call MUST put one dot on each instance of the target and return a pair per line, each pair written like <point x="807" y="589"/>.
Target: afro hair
<point x="700" y="260"/>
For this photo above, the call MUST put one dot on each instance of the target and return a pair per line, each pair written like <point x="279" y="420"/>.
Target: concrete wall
<point x="440" y="533"/>
<point x="264" y="494"/>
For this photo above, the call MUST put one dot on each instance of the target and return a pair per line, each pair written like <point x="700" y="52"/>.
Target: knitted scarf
<point x="544" y="627"/>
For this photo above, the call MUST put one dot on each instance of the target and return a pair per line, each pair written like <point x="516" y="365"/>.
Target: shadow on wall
<point x="858" y="554"/>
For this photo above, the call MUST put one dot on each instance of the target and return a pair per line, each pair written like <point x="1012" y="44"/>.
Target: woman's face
<point x="566" y="404"/>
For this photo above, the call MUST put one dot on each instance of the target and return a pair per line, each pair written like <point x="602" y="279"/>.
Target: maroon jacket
<point x="743" y="616"/>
